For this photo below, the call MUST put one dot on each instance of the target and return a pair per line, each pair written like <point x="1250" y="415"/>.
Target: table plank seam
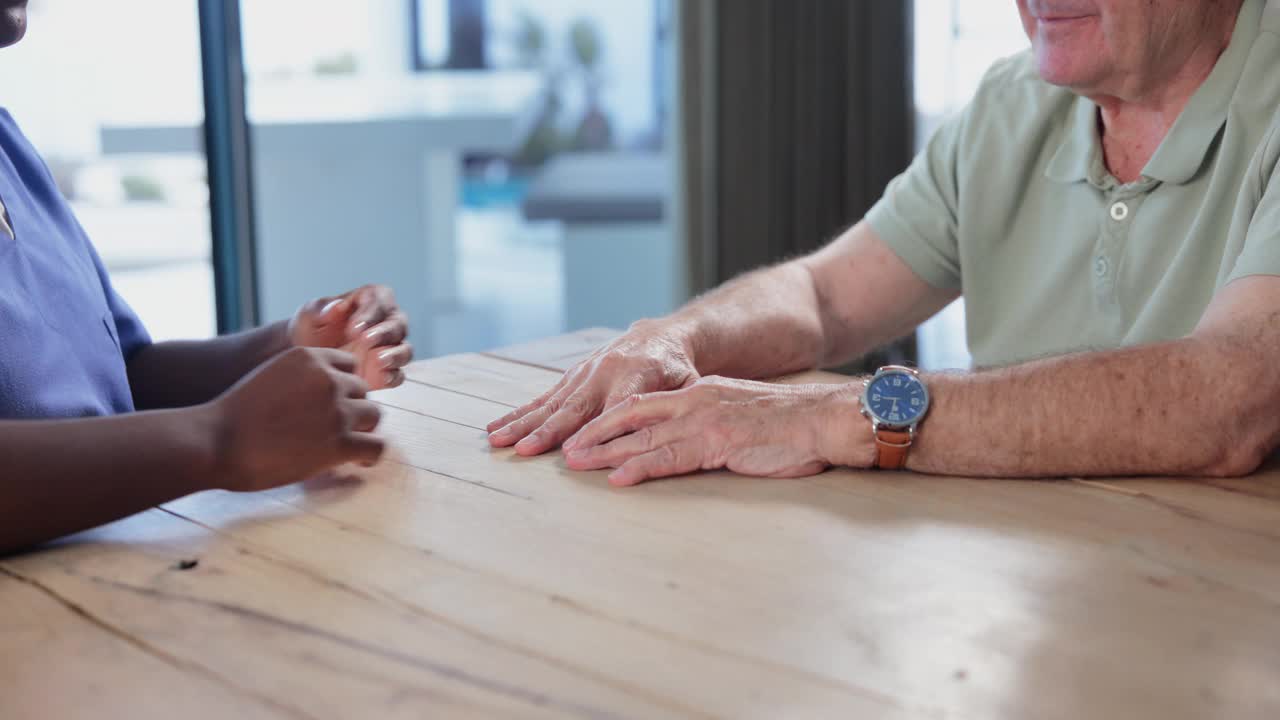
<point x="528" y="363"/>
<point x="178" y="663"/>
<point x="458" y="392"/>
<point x="381" y="598"/>
<point x="427" y="415"/>
<point x="475" y="483"/>
<point x="1173" y="507"/>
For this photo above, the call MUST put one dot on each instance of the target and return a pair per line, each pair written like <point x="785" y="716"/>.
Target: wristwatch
<point x="895" y="399"/>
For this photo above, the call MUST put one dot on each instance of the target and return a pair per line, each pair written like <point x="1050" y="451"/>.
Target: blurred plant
<point x="584" y="39"/>
<point x="340" y="64"/>
<point x="530" y="41"/>
<point x="595" y="131"/>
<point x="545" y="139"/>
<point x="139" y="188"/>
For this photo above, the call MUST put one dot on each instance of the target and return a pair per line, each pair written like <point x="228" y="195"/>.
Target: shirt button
<point x="1119" y="211"/>
<point x="1101" y="266"/>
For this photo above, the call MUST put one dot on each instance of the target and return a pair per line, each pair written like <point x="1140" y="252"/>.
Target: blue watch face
<point x="897" y="398"/>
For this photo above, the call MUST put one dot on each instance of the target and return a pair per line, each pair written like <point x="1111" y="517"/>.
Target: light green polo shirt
<point x="1011" y="203"/>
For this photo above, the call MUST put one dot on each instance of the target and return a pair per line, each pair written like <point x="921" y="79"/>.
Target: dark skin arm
<point x="66" y="475"/>
<point x="300" y="413"/>
<point x="245" y="412"/>
<point x="185" y="372"/>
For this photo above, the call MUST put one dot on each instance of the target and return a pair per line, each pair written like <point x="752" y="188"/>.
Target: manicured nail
<point x="385" y="357"/>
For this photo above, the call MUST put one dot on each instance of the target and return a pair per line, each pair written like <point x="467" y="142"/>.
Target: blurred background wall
<point x="515" y="168"/>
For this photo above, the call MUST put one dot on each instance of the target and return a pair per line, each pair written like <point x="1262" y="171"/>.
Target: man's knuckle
<point x="668" y="456"/>
<point x="702" y="392"/>
<point x="609" y="361"/>
<point x="645" y="437"/>
<point x="555" y="403"/>
<point x="577" y="405"/>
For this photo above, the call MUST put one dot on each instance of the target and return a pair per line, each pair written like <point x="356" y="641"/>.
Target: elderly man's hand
<point x="366" y="322"/>
<point x="748" y="427"/>
<point x="646" y="359"/>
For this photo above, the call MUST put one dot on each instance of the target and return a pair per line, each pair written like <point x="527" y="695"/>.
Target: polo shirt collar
<point x="1080" y="149"/>
<point x="1183" y="151"/>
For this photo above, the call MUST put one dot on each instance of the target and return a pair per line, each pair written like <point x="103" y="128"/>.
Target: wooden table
<point x="455" y="581"/>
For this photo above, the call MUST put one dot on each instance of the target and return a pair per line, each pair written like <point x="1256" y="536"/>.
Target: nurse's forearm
<point x="185" y="373"/>
<point x="63" y="476"/>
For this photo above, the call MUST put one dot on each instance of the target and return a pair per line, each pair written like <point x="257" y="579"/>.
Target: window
<point x="955" y="42"/>
<point x="413" y="138"/>
<point x="145" y="207"/>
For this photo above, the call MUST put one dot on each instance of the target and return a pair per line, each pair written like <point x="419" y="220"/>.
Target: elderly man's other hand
<point x="646" y="359"/>
<point x="366" y="322"/>
<point x="751" y="428"/>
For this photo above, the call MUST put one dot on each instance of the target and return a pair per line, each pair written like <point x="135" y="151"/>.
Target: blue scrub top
<point x="65" y="334"/>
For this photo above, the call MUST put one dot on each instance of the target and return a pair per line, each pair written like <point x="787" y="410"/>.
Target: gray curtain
<point x="796" y="114"/>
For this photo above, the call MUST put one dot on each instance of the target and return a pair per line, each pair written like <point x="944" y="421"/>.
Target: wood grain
<point x="458" y="581"/>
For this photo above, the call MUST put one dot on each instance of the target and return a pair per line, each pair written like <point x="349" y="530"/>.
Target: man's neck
<point x="1132" y="124"/>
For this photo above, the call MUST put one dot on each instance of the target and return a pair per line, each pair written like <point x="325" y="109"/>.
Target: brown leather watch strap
<point x="891" y="449"/>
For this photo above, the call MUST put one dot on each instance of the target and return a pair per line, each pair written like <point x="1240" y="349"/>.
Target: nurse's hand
<point x="302" y="412"/>
<point x="366" y="322"/>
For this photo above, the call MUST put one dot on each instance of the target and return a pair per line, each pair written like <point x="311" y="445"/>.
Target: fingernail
<point x="385" y="357"/>
<point x="500" y="434"/>
<point x="359" y="325"/>
<point x="328" y="308"/>
<point x="575" y="454"/>
<point x="374" y="334"/>
<point x="569" y="444"/>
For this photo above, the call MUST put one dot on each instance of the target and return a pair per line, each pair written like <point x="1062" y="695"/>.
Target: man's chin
<point x="1063" y="69"/>
<point x="13" y="24"/>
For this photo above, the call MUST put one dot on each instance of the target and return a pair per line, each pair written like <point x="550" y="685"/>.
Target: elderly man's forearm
<point x="1188" y="407"/>
<point x="763" y="324"/>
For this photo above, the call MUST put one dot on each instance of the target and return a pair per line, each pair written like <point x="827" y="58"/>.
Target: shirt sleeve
<point x="131" y="333"/>
<point x="917" y="216"/>
<point x="1261" y="252"/>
